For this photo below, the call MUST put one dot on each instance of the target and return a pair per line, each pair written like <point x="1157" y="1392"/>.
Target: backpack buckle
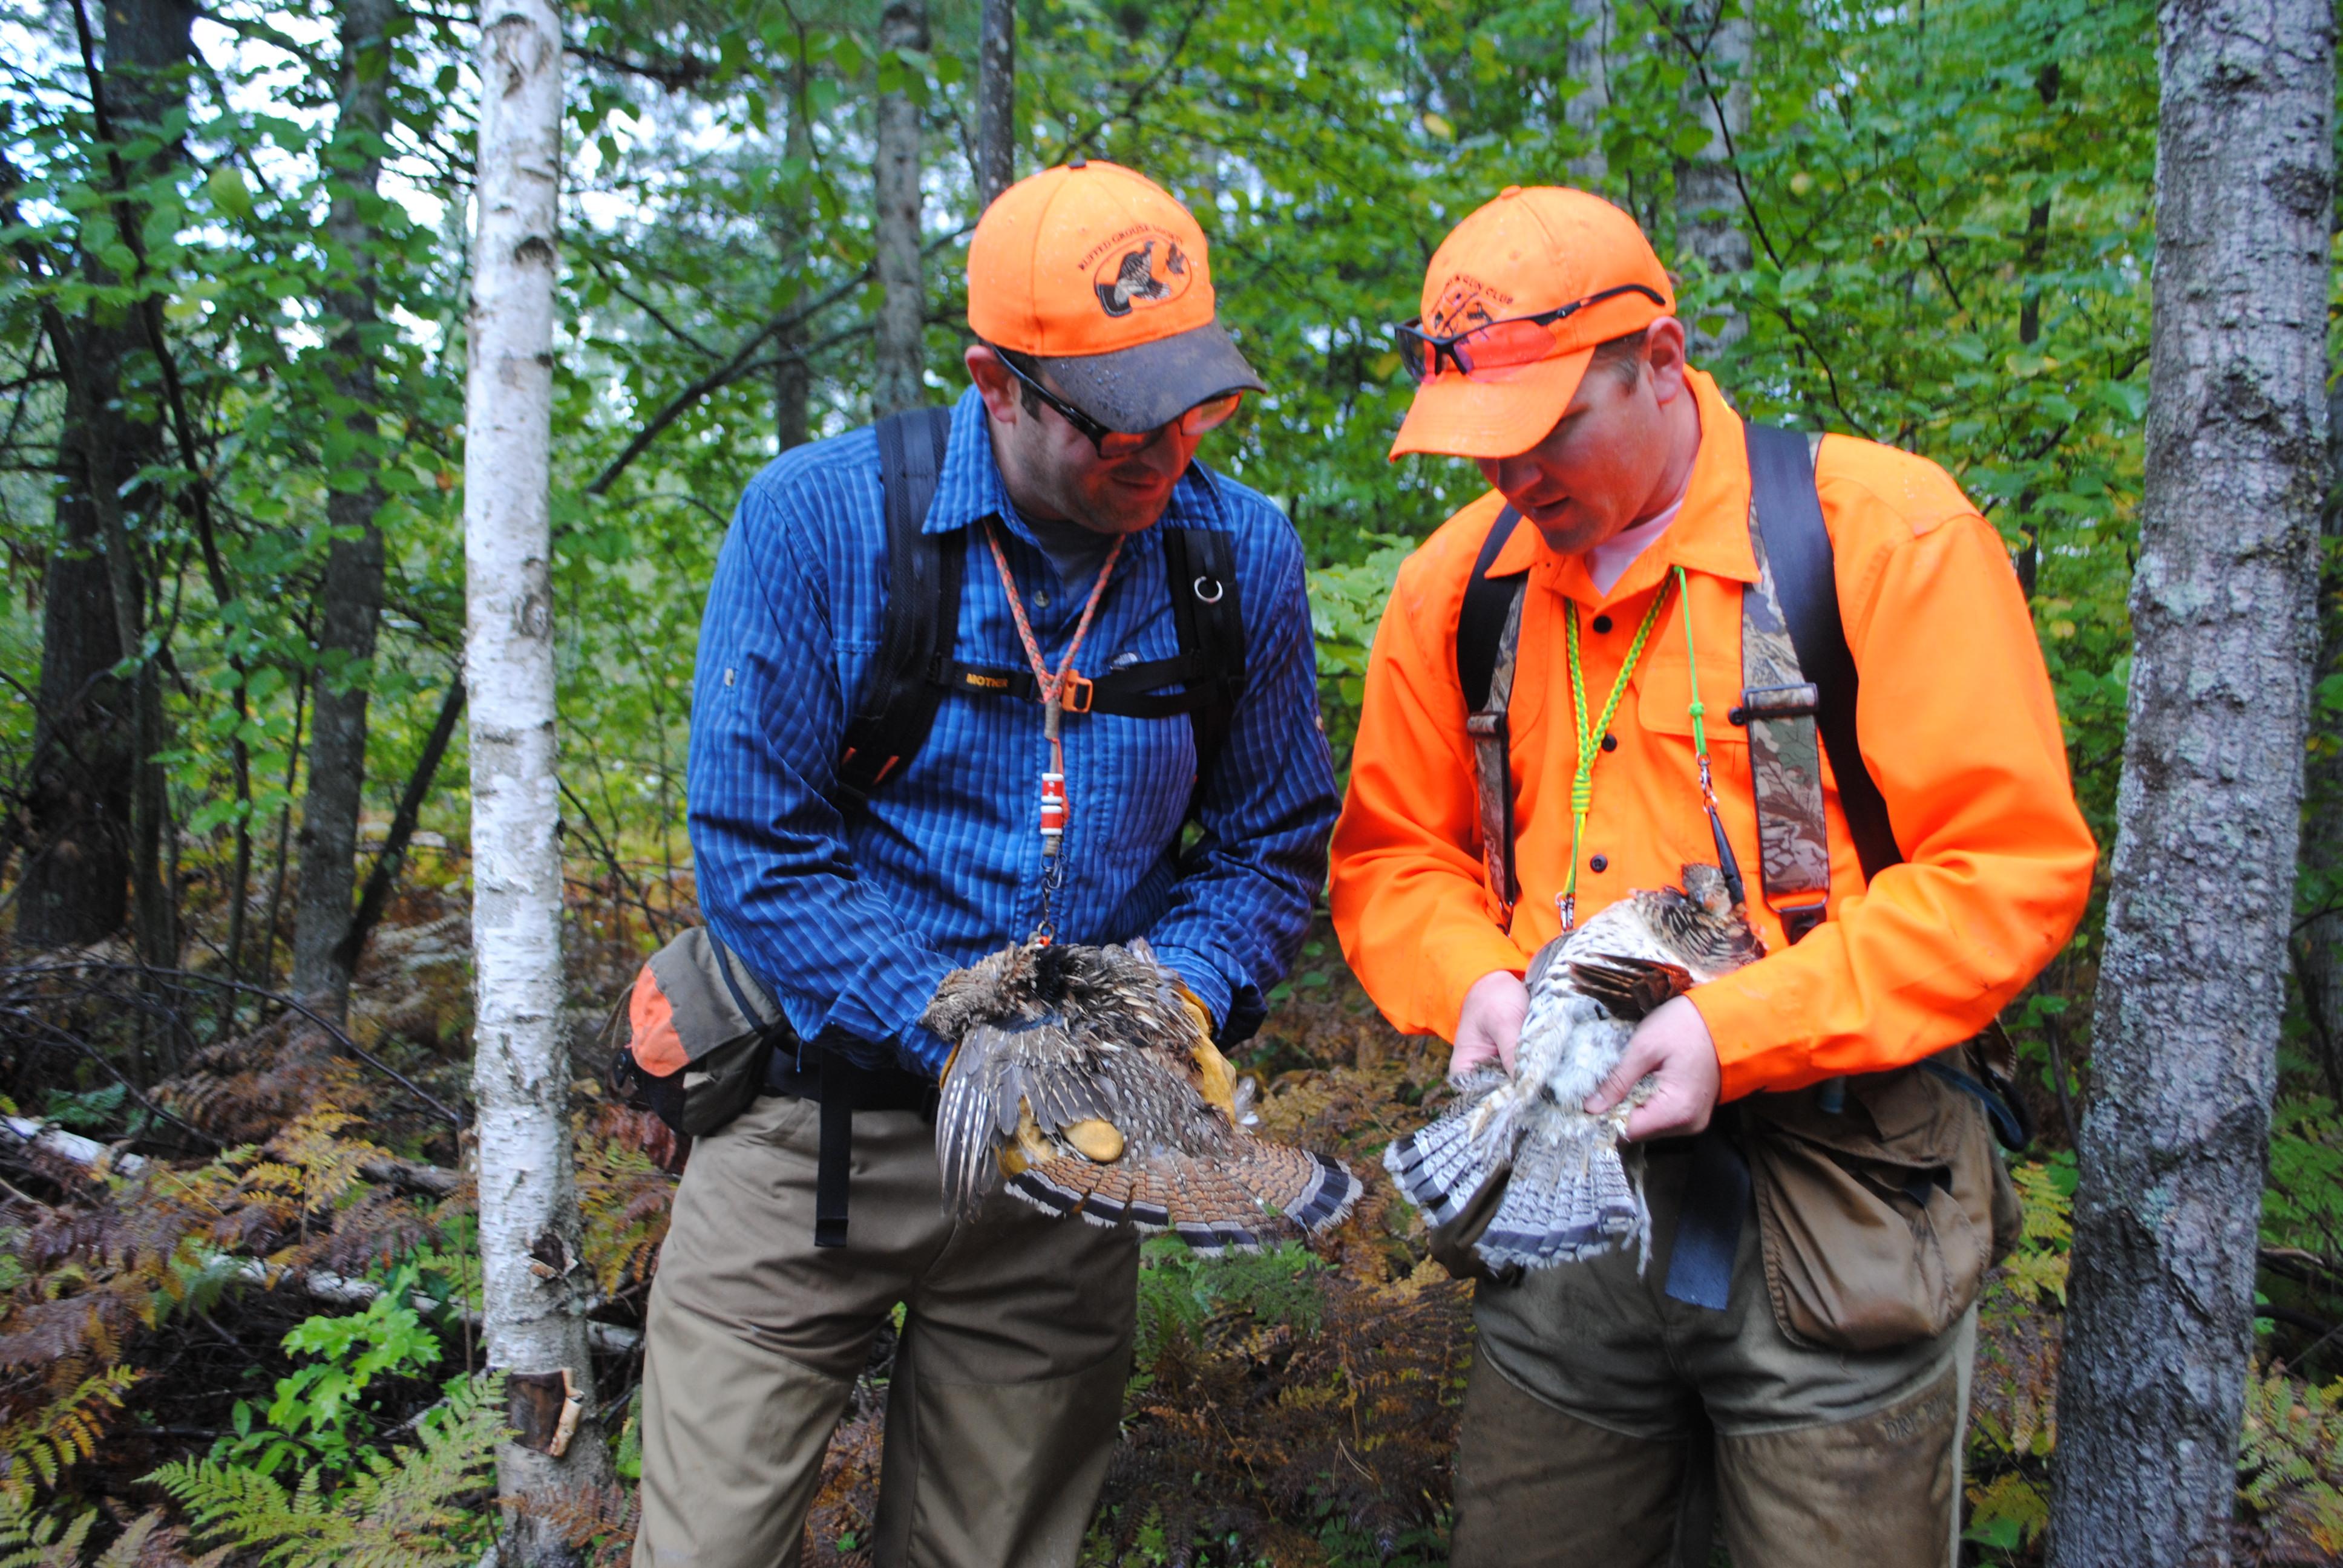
<point x="1074" y="694"/>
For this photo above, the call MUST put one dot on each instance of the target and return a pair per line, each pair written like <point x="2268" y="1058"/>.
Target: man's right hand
<point x="1490" y="1027"/>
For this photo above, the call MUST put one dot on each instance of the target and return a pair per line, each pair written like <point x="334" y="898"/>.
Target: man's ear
<point x="994" y="383"/>
<point x="1663" y="359"/>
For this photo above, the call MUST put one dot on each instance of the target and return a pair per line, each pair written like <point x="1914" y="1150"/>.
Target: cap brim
<point x="1148" y="386"/>
<point x="1496" y="415"/>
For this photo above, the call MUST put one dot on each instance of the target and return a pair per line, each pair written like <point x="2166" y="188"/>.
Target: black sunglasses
<point x="1498" y="345"/>
<point x="1209" y="415"/>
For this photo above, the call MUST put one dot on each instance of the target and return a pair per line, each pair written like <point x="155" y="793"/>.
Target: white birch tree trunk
<point x="903" y="315"/>
<point x="2160" y="1316"/>
<point x="520" y="1077"/>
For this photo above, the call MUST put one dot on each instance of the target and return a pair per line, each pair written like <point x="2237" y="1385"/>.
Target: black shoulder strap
<point x="1482" y="619"/>
<point x="1798" y="547"/>
<point x="1200" y="570"/>
<point x="899" y="702"/>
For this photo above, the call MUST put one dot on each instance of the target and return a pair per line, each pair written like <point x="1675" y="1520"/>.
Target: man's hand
<point x="1490" y="1027"/>
<point x="1672" y="1046"/>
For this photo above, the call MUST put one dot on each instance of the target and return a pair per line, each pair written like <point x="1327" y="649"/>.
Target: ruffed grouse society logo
<point x="1465" y="303"/>
<point x="1140" y="267"/>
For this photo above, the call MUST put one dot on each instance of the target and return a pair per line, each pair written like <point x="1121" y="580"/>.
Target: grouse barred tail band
<point x="1436" y="1166"/>
<point x="1269" y="1193"/>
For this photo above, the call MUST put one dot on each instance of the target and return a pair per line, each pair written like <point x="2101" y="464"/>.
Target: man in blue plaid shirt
<point x="1100" y="367"/>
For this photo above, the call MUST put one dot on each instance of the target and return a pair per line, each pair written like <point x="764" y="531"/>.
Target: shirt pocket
<point x="1664" y="698"/>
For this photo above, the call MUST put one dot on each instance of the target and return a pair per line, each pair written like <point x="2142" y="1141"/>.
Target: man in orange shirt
<point x="1608" y="1407"/>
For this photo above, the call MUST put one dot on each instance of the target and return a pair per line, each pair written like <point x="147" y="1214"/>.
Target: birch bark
<point x="2159" y="1323"/>
<point x="520" y="1078"/>
<point x="903" y="317"/>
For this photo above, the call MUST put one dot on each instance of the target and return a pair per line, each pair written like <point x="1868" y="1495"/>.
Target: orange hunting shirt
<point x="1957" y="722"/>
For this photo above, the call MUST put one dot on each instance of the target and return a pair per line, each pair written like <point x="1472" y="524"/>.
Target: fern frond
<point x="29" y="1539"/>
<point x="401" y="1510"/>
<point x="63" y="1433"/>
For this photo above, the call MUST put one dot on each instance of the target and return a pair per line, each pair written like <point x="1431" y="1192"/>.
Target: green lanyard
<point x="1725" y="863"/>
<point x="1582" y="784"/>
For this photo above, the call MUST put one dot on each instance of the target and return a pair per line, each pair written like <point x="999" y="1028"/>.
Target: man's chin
<point x="1133" y="512"/>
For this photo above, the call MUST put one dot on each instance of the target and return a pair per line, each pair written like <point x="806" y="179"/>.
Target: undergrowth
<point x="172" y="1393"/>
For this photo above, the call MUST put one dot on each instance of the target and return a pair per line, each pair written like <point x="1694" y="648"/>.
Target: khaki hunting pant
<point x="1605" y="1426"/>
<point x="1007" y="1389"/>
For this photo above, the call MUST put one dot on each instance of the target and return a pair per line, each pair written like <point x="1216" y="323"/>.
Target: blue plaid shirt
<point x="852" y="917"/>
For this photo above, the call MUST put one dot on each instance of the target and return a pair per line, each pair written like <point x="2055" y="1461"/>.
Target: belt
<point x="841" y="1087"/>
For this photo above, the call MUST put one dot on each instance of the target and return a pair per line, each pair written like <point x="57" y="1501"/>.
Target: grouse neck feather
<point x="1076" y="1080"/>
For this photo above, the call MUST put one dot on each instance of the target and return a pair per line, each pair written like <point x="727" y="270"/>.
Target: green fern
<point x="2290" y="1454"/>
<point x="399" y="1510"/>
<point x="30" y="1539"/>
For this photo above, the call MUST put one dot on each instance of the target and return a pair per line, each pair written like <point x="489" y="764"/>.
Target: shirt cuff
<point x="925" y="1051"/>
<point x="1453" y="960"/>
<point x="1744" y="1022"/>
<point x="1198" y="974"/>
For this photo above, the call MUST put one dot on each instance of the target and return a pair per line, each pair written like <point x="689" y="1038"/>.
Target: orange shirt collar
<point x="1710" y="535"/>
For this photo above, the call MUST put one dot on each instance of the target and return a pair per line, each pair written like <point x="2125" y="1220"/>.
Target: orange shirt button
<point x="1600" y="863"/>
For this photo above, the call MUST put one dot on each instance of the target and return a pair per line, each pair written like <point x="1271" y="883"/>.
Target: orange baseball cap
<point x="1096" y="271"/>
<point x="1534" y="248"/>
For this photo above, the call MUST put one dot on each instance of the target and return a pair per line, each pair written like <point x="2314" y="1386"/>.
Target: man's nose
<point x="1515" y="474"/>
<point x="1168" y="454"/>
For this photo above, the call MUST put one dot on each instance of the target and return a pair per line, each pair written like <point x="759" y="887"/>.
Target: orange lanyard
<point x="1052" y="688"/>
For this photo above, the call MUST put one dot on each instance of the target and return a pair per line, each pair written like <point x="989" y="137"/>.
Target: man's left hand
<point x="1673" y="1047"/>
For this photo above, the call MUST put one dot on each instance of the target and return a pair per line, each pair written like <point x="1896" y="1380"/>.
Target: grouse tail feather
<point x="1216" y="1209"/>
<point x="1440" y="1166"/>
<point x="1571" y="1198"/>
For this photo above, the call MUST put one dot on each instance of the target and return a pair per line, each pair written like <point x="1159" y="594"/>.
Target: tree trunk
<point x="792" y="374"/>
<point x="1589" y="64"/>
<point x="2036" y="245"/>
<point x="2319" y="946"/>
<point x="351" y="601"/>
<point x="1717" y="35"/>
<point x="96" y="804"/>
<point x="903" y="315"/>
<point x="2159" y="1324"/>
<point x="520" y="1074"/>
<point x="996" y="101"/>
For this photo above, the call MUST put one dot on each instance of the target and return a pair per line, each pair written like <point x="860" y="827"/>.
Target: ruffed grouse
<point x="1572" y="1195"/>
<point x="1084" y="1076"/>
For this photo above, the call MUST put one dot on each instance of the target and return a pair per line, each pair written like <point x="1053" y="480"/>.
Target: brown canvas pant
<point x="1007" y="1389"/>
<point x="1604" y="1425"/>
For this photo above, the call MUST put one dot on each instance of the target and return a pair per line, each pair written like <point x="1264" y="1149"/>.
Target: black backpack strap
<point x="1487" y="602"/>
<point x="1790" y="516"/>
<point x="899" y="703"/>
<point x="1201" y="571"/>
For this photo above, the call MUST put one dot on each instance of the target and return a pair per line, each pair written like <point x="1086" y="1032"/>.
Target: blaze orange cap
<point x="1532" y="249"/>
<point x="1095" y="270"/>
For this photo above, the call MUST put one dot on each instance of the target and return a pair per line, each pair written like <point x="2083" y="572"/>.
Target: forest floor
<point x="240" y="1309"/>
